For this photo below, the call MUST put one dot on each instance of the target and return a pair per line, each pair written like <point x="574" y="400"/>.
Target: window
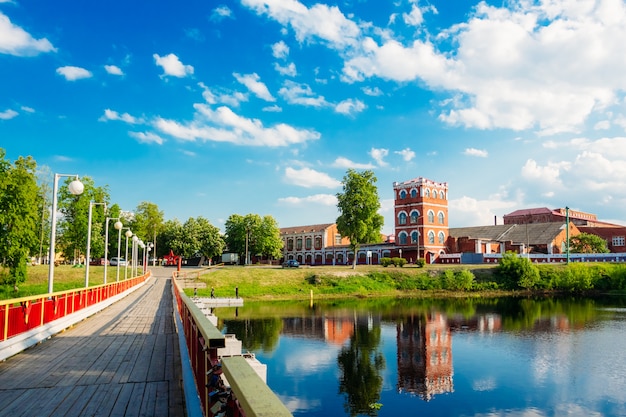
<point x="442" y="195"/>
<point x="618" y="240"/>
<point x="308" y="243"/>
<point x="414" y="216"/>
<point x="441" y="217"/>
<point x="413" y="193"/>
<point x="414" y="237"/>
<point x="431" y="237"/>
<point x="427" y="192"/>
<point x="431" y="216"/>
<point x="290" y="244"/>
<point x="299" y="244"/>
<point x="402" y="218"/>
<point x="318" y="243"/>
<point x="337" y="239"/>
<point x="442" y="237"/>
<point x="402" y="238"/>
<point x="402" y="194"/>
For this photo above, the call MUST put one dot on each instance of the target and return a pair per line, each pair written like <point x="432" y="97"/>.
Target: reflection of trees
<point x="361" y="363"/>
<point x="256" y="334"/>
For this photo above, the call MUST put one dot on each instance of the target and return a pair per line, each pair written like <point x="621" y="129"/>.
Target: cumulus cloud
<point x="302" y="94"/>
<point x="322" y="199"/>
<point x="280" y="50"/>
<point x="124" y="117"/>
<point x="350" y="107"/>
<point x="379" y="156"/>
<point x="147" y="137"/>
<point x="16" y="41"/>
<point x="113" y="70"/>
<point x="308" y="178"/>
<point x="288" y="70"/>
<point x="73" y="73"/>
<point x="407" y="154"/>
<point x="8" y="114"/>
<point x="224" y="125"/>
<point x="172" y="66"/>
<point x="481" y="153"/>
<point x="346" y="163"/>
<point x="256" y="87"/>
<point x="220" y="13"/>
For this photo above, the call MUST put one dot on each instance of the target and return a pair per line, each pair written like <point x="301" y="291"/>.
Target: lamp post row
<point x="76" y="188"/>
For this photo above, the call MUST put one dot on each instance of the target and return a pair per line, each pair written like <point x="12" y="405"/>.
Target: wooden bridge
<point x="123" y="361"/>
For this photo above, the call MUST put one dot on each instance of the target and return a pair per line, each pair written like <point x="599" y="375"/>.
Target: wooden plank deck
<point x="123" y="361"/>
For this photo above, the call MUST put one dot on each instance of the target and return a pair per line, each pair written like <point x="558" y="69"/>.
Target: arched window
<point x="299" y="244"/>
<point x="441" y="217"/>
<point x="308" y="243"/>
<point x="442" y="195"/>
<point x="402" y="194"/>
<point x="427" y="192"/>
<point x="414" y="237"/>
<point x="402" y="238"/>
<point x="431" y="216"/>
<point x="442" y="237"/>
<point x="414" y="216"/>
<point x="402" y="218"/>
<point x="290" y="244"/>
<point x="413" y="193"/>
<point x="318" y="243"/>
<point x="431" y="237"/>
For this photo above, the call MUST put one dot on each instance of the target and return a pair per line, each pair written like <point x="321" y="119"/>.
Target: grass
<point x="66" y="277"/>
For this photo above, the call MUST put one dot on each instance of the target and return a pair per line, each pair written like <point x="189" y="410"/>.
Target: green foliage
<point x="399" y="262"/>
<point x="196" y="237"/>
<point x="251" y="234"/>
<point x="147" y="222"/>
<point x="421" y="262"/>
<point x="587" y="243"/>
<point x="515" y="272"/>
<point x="385" y="262"/>
<point x="358" y="204"/>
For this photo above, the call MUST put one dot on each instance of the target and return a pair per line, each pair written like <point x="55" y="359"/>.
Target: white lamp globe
<point x="118" y="225"/>
<point x="129" y="233"/>
<point x="76" y="187"/>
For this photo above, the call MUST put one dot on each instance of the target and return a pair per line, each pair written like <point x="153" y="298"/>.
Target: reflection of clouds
<point x="573" y="410"/>
<point x="485" y="384"/>
<point x="294" y="404"/>
<point x="311" y="359"/>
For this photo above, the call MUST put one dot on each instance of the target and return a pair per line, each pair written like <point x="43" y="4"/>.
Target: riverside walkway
<point x="123" y="361"/>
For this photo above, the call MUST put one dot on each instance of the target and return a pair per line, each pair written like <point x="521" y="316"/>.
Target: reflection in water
<point x="510" y="355"/>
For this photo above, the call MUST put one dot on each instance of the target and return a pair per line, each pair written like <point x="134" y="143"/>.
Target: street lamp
<point x="119" y="246"/>
<point x="134" y="251"/>
<point x="143" y="252"/>
<point x="76" y="188"/>
<point x="118" y="226"/>
<point x="88" y="255"/>
<point x="128" y="234"/>
<point x="149" y="249"/>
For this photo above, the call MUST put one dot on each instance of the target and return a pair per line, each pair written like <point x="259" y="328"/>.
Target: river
<point x="516" y="357"/>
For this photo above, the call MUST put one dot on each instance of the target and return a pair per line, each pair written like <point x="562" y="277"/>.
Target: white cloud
<point x="481" y="153"/>
<point x="223" y="125"/>
<point x="113" y="70"/>
<point x="8" y="114"/>
<point x="407" y="154"/>
<point x="256" y="87"/>
<point x="379" y="155"/>
<point x="308" y="178"/>
<point x="350" y="107"/>
<point x="467" y="211"/>
<point x="27" y="109"/>
<point x="372" y="91"/>
<point x="280" y="50"/>
<point x="548" y="174"/>
<point x="172" y="66"/>
<point x="342" y="162"/>
<point x="322" y="199"/>
<point x="295" y="93"/>
<point x="16" y="41"/>
<point x="230" y="98"/>
<point x="124" y="117"/>
<point x="221" y="13"/>
<point x="73" y="73"/>
<point x="273" y="109"/>
<point x="413" y="18"/>
<point x="148" y="137"/>
<point x="288" y="70"/>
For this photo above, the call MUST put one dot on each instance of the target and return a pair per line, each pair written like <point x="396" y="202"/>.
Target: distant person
<point x="212" y="292"/>
<point x="236" y="292"/>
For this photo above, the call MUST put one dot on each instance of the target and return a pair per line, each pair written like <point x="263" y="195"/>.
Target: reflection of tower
<point x="425" y="356"/>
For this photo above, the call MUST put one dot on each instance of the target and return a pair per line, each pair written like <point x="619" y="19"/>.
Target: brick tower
<point x="421" y="218"/>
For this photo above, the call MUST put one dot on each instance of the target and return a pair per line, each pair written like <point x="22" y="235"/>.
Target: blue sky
<point x="211" y="108"/>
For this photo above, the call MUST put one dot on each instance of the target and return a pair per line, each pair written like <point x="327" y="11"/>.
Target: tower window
<point x="402" y="218"/>
<point x="414" y="215"/>
<point x="431" y="216"/>
<point x="441" y="217"/>
<point x="442" y="237"/>
<point x="402" y="194"/>
<point x="431" y="237"/>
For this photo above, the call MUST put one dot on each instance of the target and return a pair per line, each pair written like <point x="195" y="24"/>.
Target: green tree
<point x="198" y="237"/>
<point x="358" y="204"/>
<point x="168" y="239"/>
<point x="267" y="238"/>
<point x="515" y="272"/>
<point x="240" y="234"/>
<point x="19" y="215"/>
<point x="148" y="222"/>
<point x="587" y="243"/>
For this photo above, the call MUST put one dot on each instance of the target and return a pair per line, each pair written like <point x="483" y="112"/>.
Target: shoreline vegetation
<point x="513" y="276"/>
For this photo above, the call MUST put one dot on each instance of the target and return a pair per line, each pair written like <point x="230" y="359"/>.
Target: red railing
<point x="24" y="314"/>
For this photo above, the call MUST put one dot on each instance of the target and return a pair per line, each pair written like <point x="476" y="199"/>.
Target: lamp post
<point x="567" y="233"/>
<point x="88" y="254"/>
<point x="143" y="252"/>
<point x="134" y="254"/>
<point x="128" y="234"/>
<point x="119" y="246"/>
<point x="76" y="188"/>
<point x="148" y="250"/>
<point x="118" y="226"/>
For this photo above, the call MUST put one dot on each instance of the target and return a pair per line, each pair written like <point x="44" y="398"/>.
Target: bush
<point x="385" y="262"/>
<point x="399" y="262"/>
<point x="462" y="280"/>
<point x="421" y="262"/>
<point x="515" y="272"/>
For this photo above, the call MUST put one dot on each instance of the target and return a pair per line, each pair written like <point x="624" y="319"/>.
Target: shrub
<point x="421" y="262"/>
<point x="462" y="280"/>
<point x="515" y="272"/>
<point x="399" y="262"/>
<point x="385" y="262"/>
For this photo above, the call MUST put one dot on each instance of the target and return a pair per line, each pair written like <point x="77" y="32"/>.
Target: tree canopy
<point x="358" y="204"/>
<point x="587" y="243"/>
<point x="251" y="234"/>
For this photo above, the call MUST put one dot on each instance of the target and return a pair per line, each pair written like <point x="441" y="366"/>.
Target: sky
<point x="214" y="108"/>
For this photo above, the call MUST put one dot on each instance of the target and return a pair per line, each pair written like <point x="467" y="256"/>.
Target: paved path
<point x="123" y="361"/>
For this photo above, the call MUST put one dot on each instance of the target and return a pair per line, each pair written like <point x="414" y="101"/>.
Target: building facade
<point x="421" y="218"/>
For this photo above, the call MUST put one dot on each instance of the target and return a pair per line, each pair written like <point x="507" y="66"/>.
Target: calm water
<point x="504" y="357"/>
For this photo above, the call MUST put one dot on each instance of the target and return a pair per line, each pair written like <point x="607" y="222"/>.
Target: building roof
<point x="606" y="233"/>
<point x="530" y="212"/>
<point x="304" y="229"/>
<point x="533" y="233"/>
